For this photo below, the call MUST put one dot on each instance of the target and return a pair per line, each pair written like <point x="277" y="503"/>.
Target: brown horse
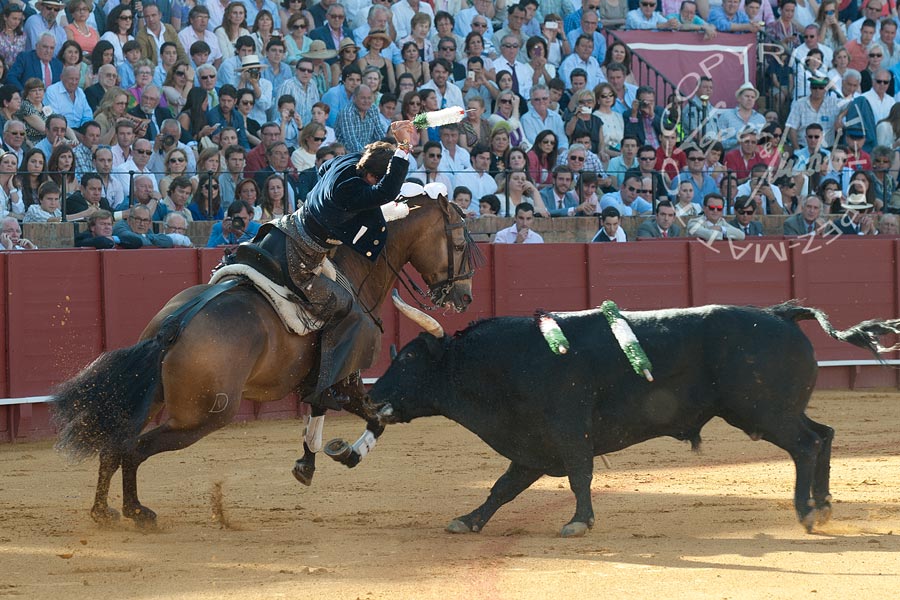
<point x="200" y="366"/>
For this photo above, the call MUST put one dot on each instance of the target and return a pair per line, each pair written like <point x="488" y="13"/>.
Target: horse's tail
<point x="864" y="335"/>
<point x="103" y="408"/>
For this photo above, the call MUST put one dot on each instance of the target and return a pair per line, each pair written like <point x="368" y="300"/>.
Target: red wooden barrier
<point x="62" y="308"/>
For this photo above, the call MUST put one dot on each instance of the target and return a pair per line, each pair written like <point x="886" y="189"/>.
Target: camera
<point x="237" y="223"/>
<point x="585" y="110"/>
<point x="291" y="114"/>
<point x="254" y="73"/>
<point x="168" y="140"/>
<point x="644" y="103"/>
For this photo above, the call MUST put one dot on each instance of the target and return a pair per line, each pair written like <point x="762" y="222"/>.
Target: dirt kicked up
<point x="670" y="523"/>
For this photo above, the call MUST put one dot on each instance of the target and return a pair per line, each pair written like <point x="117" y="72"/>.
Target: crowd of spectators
<point x="127" y="113"/>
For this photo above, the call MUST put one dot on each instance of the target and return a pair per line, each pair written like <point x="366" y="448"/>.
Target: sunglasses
<point x="181" y="73"/>
<point x="695" y="158"/>
<point x="435" y="155"/>
<point x="247" y="103"/>
<point x="510" y="45"/>
<point x="144" y="152"/>
<point x="577" y="158"/>
<point x="875" y="55"/>
<point x="648" y="4"/>
<point x="206" y="77"/>
<point x="607" y="95"/>
<point x="319" y="139"/>
<point x="746" y="212"/>
<point x="176" y="160"/>
<point x="304" y="69"/>
<point x="634" y="190"/>
<point x="883" y="81"/>
<point x="810" y="37"/>
<point x="647" y="158"/>
<point x="505" y="101"/>
<point x="716" y="208"/>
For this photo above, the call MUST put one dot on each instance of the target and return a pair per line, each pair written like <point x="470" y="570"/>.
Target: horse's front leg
<point x="305" y="467"/>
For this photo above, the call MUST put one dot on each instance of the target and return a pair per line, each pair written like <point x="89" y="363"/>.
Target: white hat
<point x="746" y="86"/>
<point x="856" y="202"/>
<point x="251" y="61"/>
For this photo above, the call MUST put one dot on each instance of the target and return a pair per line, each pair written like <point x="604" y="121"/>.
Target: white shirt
<point x="880" y="106"/>
<point x="480" y="184"/>
<point x="524" y="74"/>
<point x="188" y="36"/>
<point x="403" y="14"/>
<point x="508" y="236"/>
<point x="123" y="175"/>
<point x="452" y="95"/>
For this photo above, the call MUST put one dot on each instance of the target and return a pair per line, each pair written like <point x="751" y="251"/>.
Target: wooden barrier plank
<point x="531" y="276"/>
<point x="753" y="272"/>
<point x="639" y="276"/>
<point x="137" y="284"/>
<point x="54" y="317"/>
<point x="4" y="330"/>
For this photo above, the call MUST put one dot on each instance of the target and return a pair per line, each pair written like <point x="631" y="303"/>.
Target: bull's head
<point x="409" y="386"/>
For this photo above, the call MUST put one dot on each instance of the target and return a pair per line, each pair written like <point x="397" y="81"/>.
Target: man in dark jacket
<point x="342" y="208"/>
<point x="100" y="234"/>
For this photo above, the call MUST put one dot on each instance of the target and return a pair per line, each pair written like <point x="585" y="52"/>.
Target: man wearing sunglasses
<point x="712" y="225"/>
<point x="301" y="89"/>
<point x="45" y="21"/>
<point x="745" y="209"/>
<point x="647" y="17"/>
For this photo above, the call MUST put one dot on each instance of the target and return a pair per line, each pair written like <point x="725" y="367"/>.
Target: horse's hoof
<point x="143" y="517"/>
<point x="303" y="472"/>
<point x="104" y="515"/>
<point x="338" y="449"/>
<point x="457" y="526"/>
<point x="574" y="529"/>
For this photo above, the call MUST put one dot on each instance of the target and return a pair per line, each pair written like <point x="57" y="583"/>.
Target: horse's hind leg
<point x="822" y="474"/>
<point x="305" y="467"/>
<point x="101" y="511"/>
<point x="164" y="438"/>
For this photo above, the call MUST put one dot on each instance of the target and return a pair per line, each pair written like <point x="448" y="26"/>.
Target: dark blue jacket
<point x="28" y="65"/>
<point x="349" y="208"/>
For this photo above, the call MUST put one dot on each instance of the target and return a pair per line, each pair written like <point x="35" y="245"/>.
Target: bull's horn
<point x="426" y="322"/>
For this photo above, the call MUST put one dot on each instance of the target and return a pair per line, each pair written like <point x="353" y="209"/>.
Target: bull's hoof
<point x="104" y="515"/>
<point x="457" y="526"/>
<point x="823" y="511"/>
<point x="574" y="529"/>
<point x="303" y="472"/>
<point x="808" y="521"/>
<point x="142" y="516"/>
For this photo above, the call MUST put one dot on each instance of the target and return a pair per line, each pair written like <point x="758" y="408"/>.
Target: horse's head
<point x="442" y="250"/>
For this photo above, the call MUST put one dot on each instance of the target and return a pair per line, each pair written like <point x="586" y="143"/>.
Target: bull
<point x="551" y="414"/>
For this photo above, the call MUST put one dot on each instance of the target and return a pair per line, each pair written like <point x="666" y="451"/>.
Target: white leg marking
<point x="313" y="436"/>
<point x="365" y="444"/>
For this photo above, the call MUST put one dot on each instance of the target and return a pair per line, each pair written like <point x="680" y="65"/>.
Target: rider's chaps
<point x="349" y="339"/>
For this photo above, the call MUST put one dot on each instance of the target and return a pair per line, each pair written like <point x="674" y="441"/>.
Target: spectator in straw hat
<point x="318" y="53"/>
<point x="45" y="20"/>
<point x="250" y="77"/>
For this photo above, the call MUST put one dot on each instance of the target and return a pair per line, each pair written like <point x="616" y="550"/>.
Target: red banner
<point x="729" y="59"/>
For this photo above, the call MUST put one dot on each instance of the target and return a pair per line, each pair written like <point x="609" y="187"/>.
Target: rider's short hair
<point x="375" y="159"/>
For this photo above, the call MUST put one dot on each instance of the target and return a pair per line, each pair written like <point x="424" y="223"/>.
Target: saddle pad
<point x="294" y="317"/>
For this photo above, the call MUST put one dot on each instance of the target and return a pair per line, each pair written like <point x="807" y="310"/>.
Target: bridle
<point x="471" y="259"/>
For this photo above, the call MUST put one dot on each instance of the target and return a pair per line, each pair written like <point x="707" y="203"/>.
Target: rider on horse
<point x="342" y="208"/>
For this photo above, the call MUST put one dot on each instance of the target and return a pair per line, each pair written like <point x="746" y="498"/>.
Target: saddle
<point x="276" y="255"/>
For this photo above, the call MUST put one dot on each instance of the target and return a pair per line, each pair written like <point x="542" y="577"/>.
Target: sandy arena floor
<point x="670" y="523"/>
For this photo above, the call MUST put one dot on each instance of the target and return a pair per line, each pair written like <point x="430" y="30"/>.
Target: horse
<point x="236" y="347"/>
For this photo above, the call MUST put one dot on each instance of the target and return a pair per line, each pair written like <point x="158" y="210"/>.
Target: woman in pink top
<point x="78" y="30"/>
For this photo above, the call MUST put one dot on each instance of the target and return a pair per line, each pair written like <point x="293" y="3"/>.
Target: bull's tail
<point x="103" y="408"/>
<point x="864" y="335"/>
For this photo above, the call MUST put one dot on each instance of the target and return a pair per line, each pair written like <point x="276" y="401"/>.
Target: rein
<point x="437" y="292"/>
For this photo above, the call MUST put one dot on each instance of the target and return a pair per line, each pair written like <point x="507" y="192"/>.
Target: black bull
<point x="551" y="414"/>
